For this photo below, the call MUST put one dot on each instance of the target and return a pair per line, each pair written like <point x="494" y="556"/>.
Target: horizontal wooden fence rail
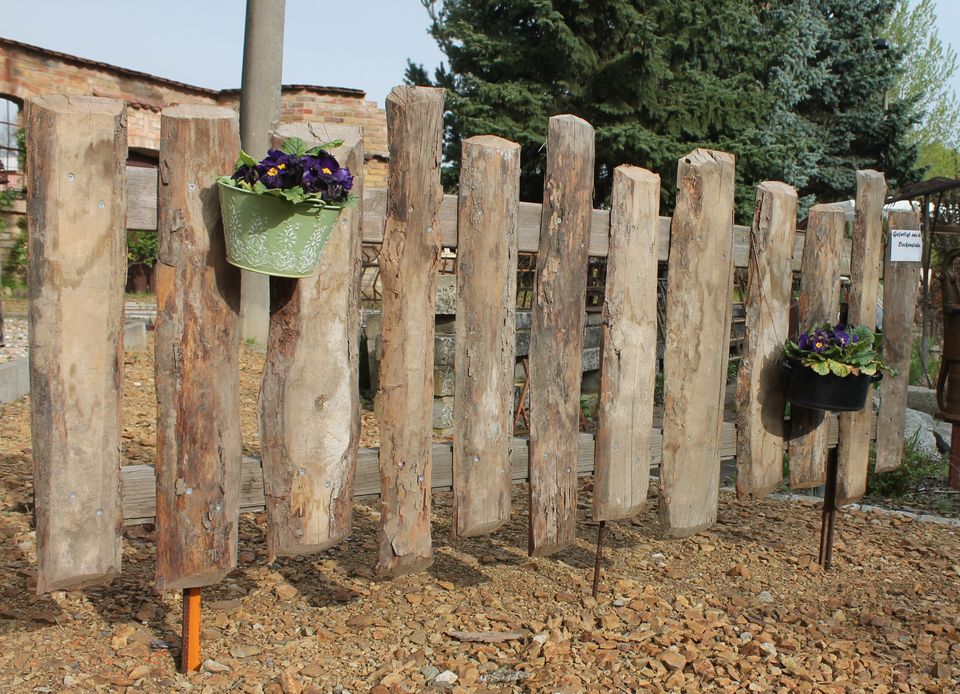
<point x="139" y="481"/>
<point x="142" y="215"/>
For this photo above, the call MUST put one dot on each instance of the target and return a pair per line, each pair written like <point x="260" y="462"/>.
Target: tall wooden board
<point x="901" y="281"/>
<point x="197" y="369"/>
<point x="76" y="208"/>
<point x="819" y="302"/>
<point x="556" y="334"/>
<point x="409" y="261"/>
<point x="629" y="347"/>
<point x="866" y="259"/>
<point x="699" y="308"/>
<point x="485" y="334"/>
<point x="309" y="399"/>
<point x="760" y="381"/>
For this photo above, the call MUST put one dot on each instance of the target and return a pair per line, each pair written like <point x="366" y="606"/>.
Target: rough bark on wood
<point x="409" y="261"/>
<point x="866" y="261"/>
<point x="556" y="334"/>
<point x="309" y="403"/>
<point x="485" y="334"/>
<point x="760" y="380"/>
<point x="197" y="370"/>
<point x="628" y="364"/>
<point x="76" y="191"/>
<point x="901" y="281"/>
<point x="819" y="302"/>
<point x="699" y="308"/>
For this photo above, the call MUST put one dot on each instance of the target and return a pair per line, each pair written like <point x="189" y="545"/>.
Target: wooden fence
<point x="80" y="191"/>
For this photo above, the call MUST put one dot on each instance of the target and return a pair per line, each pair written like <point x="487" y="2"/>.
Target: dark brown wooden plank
<point x="760" y="382"/>
<point x="699" y="308"/>
<point x="556" y="334"/>
<point x="866" y="261"/>
<point x="310" y="408"/>
<point x="197" y="369"/>
<point x="485" y="334"/>
<point x="819" y="302"/>
<point x="629" y="347"/>
<point x="408" y="270"/>
<point x="76" y="155"/>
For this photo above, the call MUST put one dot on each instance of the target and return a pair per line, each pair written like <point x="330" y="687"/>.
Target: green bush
<point x="916" y="371"/>
<point x="914" y="468"/>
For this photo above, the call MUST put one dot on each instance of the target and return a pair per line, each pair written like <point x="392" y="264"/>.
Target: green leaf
<point x="294" y="194"/>
<point x="333" y="144"/>
<point x="838" y="368"/>
<point x="259" y="188"/>
<point x="294" y="145"/>
<point x="245" y="160"/>
<point x="820" y="367"/>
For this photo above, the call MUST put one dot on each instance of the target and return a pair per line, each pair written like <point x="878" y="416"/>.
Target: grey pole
<point x="259" y="114"/>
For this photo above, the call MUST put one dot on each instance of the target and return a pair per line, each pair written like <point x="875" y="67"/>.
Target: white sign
<point x="906" y="245"/>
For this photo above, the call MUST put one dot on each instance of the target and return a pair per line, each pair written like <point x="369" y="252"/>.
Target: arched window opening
<point x="9" y="126"/>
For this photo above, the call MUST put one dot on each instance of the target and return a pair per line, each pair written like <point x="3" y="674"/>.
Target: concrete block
<point x="443" y="380"/>
<point x="135" y="336"/>
<point x="591" y="336"/>
<point x="446" y="295"/>
<point x="523" y="342"/>
<point x="14" y="379"/>
<point x="443" y="413"/>
<point x="443" y="350"/>
<point x="591" y="359"/>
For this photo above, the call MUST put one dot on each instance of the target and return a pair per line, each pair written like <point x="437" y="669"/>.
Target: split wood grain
<point x="309" y="404"/>
<point x="819" y="302"/>
<point x="197" y="366"/>
<point x="901" y="281"/>
<point x="760" y="380"/>
<point x="699" y="308"/>
<point x="866" y="262"/>
<point x="409" y="260"/>
<point x="629" y="347"/>
<point x="556" y="334"/>
<point x="76" y="190"/>
<point x="485" y="334"/>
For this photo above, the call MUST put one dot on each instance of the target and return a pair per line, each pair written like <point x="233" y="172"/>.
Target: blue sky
<point x="362" y="44"/>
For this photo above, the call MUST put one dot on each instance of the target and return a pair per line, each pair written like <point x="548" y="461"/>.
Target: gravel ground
<point x="743" y="607"/>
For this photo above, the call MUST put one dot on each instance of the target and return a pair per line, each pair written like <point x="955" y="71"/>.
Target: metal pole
<point x="259" y="114"/>
<point x="829" y="512"/>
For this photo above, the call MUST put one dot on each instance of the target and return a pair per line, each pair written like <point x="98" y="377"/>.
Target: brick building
<point x="27" y="71"/>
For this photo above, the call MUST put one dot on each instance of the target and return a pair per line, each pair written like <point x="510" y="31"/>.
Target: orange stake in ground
<point x="190" y="645"/>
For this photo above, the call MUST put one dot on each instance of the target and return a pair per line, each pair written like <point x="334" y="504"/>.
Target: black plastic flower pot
<point x="807" y="388"/>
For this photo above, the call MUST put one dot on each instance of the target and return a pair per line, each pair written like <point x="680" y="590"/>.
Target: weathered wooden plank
<point x="629" y="347"/>
<point x="556" y="334"/>
<point x="197" y="369"/>
<point x="485" y="334"/>
<point x="141" y="198"/>
<point x="760" y="381"/>
<point x="699" y="307"/>
<point x="76" y="150"/>
<point x="866" y="261"/>
<point x="408" y="270"/>
<point x="310" y="409"/>
<point x="901" y="281"/>
<point x="819" y="302"/>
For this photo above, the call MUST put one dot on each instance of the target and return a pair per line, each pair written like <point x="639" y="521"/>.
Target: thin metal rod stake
<point x="829" y="512"/>
<point x="190" y="640"/>
<point x="601" y="531"/>
<point x="953" y="475"/>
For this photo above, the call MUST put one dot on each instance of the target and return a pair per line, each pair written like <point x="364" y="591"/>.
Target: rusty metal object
<point x="948" y="380"/>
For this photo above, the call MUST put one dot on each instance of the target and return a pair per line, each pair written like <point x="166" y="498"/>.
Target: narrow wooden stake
<point x="190" y="626"/>
<point x="829" y="513"/>
<point x="953" y="473"/>
<point x="601" y="531"/>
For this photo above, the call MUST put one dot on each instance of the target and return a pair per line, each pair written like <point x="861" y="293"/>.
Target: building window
<point x="9" y="125"/>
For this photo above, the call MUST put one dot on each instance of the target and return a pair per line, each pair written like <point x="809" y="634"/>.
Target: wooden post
<point x="901" y="280"/>
<point x="866" y="258"/>
<point x="197" y="370"/>
<point x="309" y="399"/>
<point x="629" y="346"/>
<point x="819" y="303"/>
<point x="409" y="261"/>
<point x="76" y="208"/>
<point x="485" y="334"/>
<point x="699" y="308"/>
<point x="760" y="382"/>
<point x="556" y="334"/>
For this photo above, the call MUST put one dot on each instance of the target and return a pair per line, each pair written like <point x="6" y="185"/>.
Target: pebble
<point x="446" y="677"/>
<point x="765" y="596"/>
<point x="429" y="672"/>
<point x="211" y="665"/>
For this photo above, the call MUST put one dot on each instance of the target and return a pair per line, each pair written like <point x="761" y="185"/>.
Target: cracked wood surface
<point x="485" y="334"/>
<point x="629" y="348"/>
<point x="76" y="194"/>
<point x="197" y="369"/>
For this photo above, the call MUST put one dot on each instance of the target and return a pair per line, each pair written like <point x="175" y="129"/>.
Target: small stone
<point x="70" y="681"/>
<point x="446" y="677"/>
<point x="429" y="672"/>
<point x="244" y="651"/>
<point x="619" y="603"/>
<point x="138" y="672"/>
<point x="765" y="596"/>
<point x="211" y="665"/>
<point x="672" y="659"/>
<point x="768" y="648"/>
<point x="147" y="611"/>
<point x="488" y="559"/>
<point x="285" y="591"/>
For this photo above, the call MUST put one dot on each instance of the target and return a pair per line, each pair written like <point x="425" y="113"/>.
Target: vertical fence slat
<point x="866" y="257"/>
<point x="197" y="366"/>
<point x="485" y="334"/>
<point x="309" y="399"/>
<point x="556" y="334"/>
<point x="901" y="281"/>
<point x="819" y="302"/>
<point x="76" y="207"/>
<point x="760" y="382"/>
<point x="699" y="308"/>
<point x="629" y="347"/>
<point x="409" y="260"/>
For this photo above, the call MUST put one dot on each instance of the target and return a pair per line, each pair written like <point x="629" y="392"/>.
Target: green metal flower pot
<point x="271" y="236"/>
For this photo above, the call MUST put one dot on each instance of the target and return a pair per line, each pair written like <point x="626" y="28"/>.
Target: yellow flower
<point x="272" y="171"/>
<point x="326" y="170"/>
